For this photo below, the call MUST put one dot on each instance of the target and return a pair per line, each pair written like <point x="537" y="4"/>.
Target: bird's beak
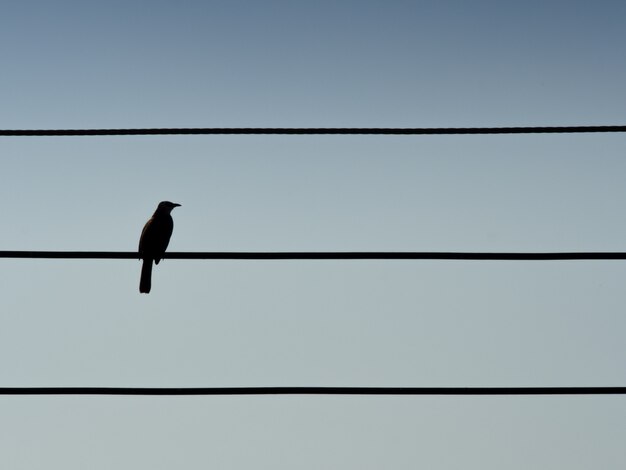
<point x="175" y="205"/>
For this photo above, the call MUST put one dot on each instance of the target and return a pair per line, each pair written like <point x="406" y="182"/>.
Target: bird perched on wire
<point x="155" y="237"/>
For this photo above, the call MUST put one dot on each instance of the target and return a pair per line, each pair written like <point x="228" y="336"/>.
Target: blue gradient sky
<point x="340" y="63"/>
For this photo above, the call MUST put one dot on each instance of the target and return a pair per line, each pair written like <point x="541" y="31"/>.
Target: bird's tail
<point x="146" y="277"/>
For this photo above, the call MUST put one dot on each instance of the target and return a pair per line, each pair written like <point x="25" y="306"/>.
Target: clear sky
<point x="361" y="323"/>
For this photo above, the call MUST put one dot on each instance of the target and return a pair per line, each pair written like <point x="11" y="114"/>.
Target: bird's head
<point x="166" y="207"/>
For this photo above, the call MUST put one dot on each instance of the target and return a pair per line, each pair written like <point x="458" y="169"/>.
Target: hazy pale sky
<point x="71" y="64"/>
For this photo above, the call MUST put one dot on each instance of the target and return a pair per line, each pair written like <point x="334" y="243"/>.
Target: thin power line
<point x="325" y="255"/>
<point x="176" y="391"/>
<point x="310" y="131"/>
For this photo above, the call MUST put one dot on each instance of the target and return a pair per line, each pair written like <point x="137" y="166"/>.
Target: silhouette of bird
<point x="155" y="237"/>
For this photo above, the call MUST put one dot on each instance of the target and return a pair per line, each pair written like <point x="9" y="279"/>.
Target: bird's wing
<point x="144" y="236"/>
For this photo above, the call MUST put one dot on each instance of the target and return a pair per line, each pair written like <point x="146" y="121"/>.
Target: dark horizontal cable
<point x="313" y="391"/>
<point x="311" y="131"/>
<point x="304" y="255"/>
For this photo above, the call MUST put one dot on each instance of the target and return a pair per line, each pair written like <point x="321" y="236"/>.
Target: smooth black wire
<point x="312" y="131"/>
<point x="213" y="391"/>
<point x="326" y="255"/>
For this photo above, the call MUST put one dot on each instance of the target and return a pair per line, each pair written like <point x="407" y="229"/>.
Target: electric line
<point x="311" y="131"/>
<point x="207" y="391"/>
<point x="326" y="255"/>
